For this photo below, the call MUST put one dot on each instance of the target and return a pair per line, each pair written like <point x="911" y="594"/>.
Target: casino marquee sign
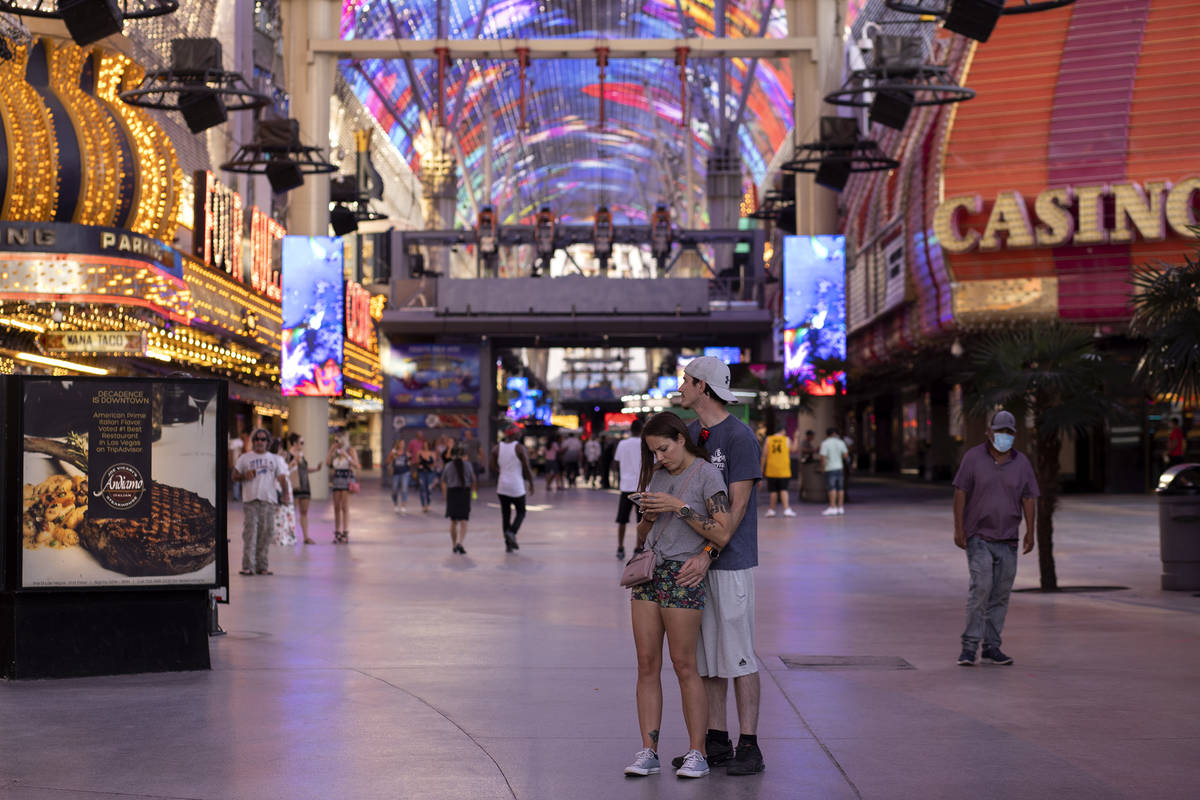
<point x="1078" y="216"/>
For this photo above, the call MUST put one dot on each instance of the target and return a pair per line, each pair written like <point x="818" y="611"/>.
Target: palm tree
<point x="1166" y="311"/>
<point x="1052" y="371"/>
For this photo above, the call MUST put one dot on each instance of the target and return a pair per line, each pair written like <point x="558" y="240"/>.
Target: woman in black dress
<point x="458" y="484"/>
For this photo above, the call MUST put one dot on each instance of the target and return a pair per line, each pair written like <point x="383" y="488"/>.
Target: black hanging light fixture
<point x="351" y="195"/>
<point x="974" y="19"/>
<point x="277" y="153"/>
<point x="839" y="153"/>
<point x="898" y="81"/>
<point x="89" y="21"/>
<point x="196" y="86"/>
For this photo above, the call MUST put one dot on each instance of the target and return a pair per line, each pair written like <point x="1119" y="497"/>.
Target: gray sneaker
<point x="694" y="765"/>
<point x="645" y="763"/>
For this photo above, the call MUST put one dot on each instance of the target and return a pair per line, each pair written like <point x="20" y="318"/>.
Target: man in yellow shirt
<point x="777" y="469"/>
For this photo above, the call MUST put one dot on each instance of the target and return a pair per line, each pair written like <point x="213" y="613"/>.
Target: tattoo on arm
<point x="709" y="523"/>
<point x="717" y="503"/>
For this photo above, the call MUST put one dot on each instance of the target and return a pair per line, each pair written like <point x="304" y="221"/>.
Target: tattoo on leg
<point x="718" y="502"/>
<point x="654" y="736"/>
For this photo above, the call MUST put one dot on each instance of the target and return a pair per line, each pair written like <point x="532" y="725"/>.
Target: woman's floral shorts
<point x="664" y="590"/>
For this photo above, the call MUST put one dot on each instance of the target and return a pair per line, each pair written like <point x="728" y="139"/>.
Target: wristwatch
<point x="684" y="512"/>
<point x="713" y="553"/>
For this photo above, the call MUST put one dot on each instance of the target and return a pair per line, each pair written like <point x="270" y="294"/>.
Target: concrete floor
<point x="392" y="668"/>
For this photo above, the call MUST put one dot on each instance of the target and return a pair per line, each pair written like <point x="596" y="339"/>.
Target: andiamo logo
<point x="121" y="487"/>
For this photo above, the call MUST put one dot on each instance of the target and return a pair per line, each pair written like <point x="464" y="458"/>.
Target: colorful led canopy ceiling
<point x="563" y="157"/>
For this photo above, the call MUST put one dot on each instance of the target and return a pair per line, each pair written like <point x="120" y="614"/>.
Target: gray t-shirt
<point x="672" y="537"/>
<point x="734" y="450"/>
<point x="450" y="475"/>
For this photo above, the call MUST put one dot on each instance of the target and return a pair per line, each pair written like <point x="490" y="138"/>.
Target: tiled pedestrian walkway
<point x="392" y="668"/>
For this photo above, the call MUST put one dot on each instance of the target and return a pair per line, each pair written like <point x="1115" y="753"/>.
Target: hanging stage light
<point x="898" y="80"/>
<point x="196" y="86"/>
<point x="974" y="19"/>
<point x="89" y="21"/>
<point x="839" y="154"/>
<point x="277" y="153"/>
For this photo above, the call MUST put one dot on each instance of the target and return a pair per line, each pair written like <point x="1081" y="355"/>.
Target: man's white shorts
<point x="726" y="648"/>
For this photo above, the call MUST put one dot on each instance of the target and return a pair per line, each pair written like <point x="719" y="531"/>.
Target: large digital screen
<point x="314" y="323"/>
<point x="814" y="307"/>
<point x="730" y="355"/>
<point x="432" y="375"/>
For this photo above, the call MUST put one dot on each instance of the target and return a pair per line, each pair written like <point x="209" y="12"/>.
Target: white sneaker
<point x="645" y="762"/>
<point x="395" y="507"/>
<point x="787" y="512"/>
<point x="403" y="509"/>
<point x="694" y="765"/>
<point x="829" y="512"/>
<point x="841" y="510"/>
<point x="770" y="512"/>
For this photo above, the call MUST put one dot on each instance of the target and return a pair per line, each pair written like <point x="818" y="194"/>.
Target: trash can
<point x="812" y="490"/>
<point x="1179" y="527"/>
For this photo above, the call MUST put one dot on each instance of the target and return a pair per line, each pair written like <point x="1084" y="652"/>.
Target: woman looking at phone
<point x="684" y="502"/>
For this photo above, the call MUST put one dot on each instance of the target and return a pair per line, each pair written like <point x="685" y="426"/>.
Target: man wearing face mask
<point x="995" y="486"/>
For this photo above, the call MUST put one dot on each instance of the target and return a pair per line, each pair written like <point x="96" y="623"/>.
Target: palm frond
<point x="1166" y="313"/>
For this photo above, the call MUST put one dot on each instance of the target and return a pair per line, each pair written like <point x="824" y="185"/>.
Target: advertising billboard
<point x="120" y="482"/>
<point x="814" y="307"/>
<point x="432" y="375"/>
<point x="313" y="310"/>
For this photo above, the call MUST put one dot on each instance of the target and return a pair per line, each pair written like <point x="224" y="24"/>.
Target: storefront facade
<point x="1034" y="200"/>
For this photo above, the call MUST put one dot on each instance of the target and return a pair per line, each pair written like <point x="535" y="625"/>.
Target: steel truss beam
<point x="506" y="49"/>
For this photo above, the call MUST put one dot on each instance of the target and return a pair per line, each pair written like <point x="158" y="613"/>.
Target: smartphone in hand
<point x="636" y="499"/>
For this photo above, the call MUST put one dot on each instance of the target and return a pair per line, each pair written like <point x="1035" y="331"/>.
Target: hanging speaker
<point x="974" y="19"/>
<point x="833" y="173"/>
<point x="90" y="21"/>
<point x="891" y="107"/>
<point x="343" y="220"/>
<point x="202" y="110"/>
<point x="284" y="176"/>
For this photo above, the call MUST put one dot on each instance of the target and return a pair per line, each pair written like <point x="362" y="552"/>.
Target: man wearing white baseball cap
<point x="726" y="648"/>
<point x="995" y="486"/>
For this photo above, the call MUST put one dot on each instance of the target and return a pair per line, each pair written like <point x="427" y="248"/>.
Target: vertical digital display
<point x="313" y="316"/>
<point x="814" y="308"/>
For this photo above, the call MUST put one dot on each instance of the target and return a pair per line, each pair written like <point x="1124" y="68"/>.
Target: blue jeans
<point x="993" y="567"/>
<point x="427" y="479"/>
<point x="400" y="486"/>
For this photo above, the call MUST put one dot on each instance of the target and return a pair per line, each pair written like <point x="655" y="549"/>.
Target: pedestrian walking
<point x="686" y="503"/>
<point x="299" y="470"/>
<point x="553" y="465"/>
<point x="458" y="486"/>
<point x="994" y="488"/>
<point x="777" y="467"/>
<point x="510" y="462"/>
<point x="426" y="474"/>
<point x="727" y="625"/>
<point x="263" y="477"/>
<point x="343" y="464"/>
<point x="628" y="458"/>
<point x="591" y="455"/>
<point x="835" y="456"/>
<point x="398" y="465"/>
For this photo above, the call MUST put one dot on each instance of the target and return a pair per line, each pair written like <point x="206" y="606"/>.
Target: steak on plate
<point x="178" y="537"/>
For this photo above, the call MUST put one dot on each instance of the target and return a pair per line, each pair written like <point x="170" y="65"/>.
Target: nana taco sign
<point x="1079" y="216"/>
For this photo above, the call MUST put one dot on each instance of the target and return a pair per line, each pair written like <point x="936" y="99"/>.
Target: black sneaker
<point x="966" y="658"/>
<point x="719" y="753"/>
<point x="994" y="656"/>
<point x="510" y="541"/>
<point x="621" y="556"/>
<point x="747" y="761"/>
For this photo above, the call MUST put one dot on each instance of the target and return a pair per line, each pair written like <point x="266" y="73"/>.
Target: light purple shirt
<point x="994" y="493"/>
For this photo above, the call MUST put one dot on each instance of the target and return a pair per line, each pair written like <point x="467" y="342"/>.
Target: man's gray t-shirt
<point x="671" y="536"/>
<point x="994" y="493"/>
<point x="733" y="449"/>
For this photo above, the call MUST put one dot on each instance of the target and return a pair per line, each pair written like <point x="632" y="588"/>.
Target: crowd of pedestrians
<point x="691" y="489"/>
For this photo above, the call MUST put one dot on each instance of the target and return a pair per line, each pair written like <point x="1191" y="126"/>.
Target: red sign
<point x="358" y="315"/>
<point x="265" y="237"/>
